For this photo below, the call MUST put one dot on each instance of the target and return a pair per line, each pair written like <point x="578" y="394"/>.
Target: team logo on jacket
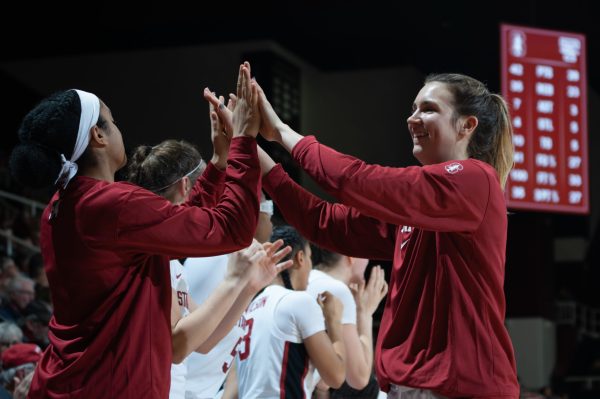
<point x="453" y="168"/>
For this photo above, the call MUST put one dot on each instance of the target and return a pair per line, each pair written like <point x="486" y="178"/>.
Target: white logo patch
<point x="453" y="168"/>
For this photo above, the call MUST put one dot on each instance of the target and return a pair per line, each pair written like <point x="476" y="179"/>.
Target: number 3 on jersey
<point x="247" y="325"/>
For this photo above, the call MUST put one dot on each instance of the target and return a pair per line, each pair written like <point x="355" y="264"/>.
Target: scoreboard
<point x="544" y="83"/>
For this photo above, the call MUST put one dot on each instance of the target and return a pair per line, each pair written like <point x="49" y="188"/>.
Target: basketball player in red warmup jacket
<point x="107" y="245"/>
<point x="443" y="225"/>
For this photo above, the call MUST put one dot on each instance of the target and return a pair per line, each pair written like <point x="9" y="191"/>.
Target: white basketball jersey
<point x="178" y="371"/>
<point x="272" y="360"/>
<point x="319" y="281"/>
<point x="207" y="372"/>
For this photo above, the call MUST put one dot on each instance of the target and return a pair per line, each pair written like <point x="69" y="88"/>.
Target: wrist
<point x="219" y="161"/>
<point x="243" y="134"/>
<point x="236" y="278"/>
<point x="289" y="138"/>
<point x="282" y="128"/>
<point x="251" y="287"/>
<point x="364" y="312"/>
<point x="333" y="321"/>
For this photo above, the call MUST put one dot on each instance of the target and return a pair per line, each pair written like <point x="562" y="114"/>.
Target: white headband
<point x="200" y="164"/>
<point x="90" y="111"/>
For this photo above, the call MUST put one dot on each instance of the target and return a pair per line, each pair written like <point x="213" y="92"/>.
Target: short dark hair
<point x="322" y="258"/>
<point x="292" y="238"/>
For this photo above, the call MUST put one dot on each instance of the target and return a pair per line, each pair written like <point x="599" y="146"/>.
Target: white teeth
<point x="418" y="133"/>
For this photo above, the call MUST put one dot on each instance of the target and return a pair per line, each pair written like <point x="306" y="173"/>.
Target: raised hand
<point x="224" y="113"/>
<point x="220" y="136"/>
<point x="258" y="264"/>
<point x="369" y="296"/>
<point x="271" y="125"/>
<point x="246" y="115"/>
<point x="266" y="267"/>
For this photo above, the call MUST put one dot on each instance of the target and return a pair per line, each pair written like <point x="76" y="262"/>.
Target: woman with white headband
<point x="106" y="245"/>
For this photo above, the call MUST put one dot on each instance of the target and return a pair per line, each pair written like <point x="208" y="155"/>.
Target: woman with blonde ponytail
<point x="442" y="224"/>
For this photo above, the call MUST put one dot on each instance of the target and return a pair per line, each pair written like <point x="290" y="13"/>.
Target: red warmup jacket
<point x="444" y="227"/>
<point x="107" y="254"/>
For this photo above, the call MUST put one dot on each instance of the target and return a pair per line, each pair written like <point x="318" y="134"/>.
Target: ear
<point x="468" y="125"/>
<point x="299" y="259"/>
<point x="187" y="185"/>
<point x="98" y="137"/>
<point x="181" y="187"/>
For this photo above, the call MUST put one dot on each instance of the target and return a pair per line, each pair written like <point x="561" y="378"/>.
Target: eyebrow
<point x="425" y="102"/>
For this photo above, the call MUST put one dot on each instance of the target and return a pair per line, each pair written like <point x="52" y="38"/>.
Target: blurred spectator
<point x="22" y="388"/>
<point x="20" y="292"/>
<point x="38" y="275"/>
<point x="9" y="267"/>
<point x="35" y="323"/>
<point x="18" y="361"/>
<point x="10" y="334"/>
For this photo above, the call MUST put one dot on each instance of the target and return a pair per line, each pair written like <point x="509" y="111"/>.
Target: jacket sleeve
<point x="150" y="224"/>
<point x="450" y="196"/>
<point x="336" y="227"/>
<point x="208" y="188"/>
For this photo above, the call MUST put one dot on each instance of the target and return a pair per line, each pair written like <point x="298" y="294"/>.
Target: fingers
<point x="376" y="280"/>
<point x="377" y="283"/>
<point x="211" y="97"/>
<point x="211" y="107"/>
<point x="384" y="290"/>
<point x="257" y="256"/>
<point x="240" y="81"/>
<point x="244" y="83"/>
<point x="230" y="104"/>
<point x="325" y="295"/>
<point x="281" y="254"/>
<point x="214" y="120"/>
<point x="272" y="247"/>
<point x="361" y="286"/>
<point x="284" y="265"/>
<point x="261" y="93"/>
<point x="252" y="249"/>
<point x="254" y="94"/>
<point x="323" y="298"/>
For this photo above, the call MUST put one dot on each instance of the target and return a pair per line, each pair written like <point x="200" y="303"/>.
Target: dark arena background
<point x="347" y="72"/>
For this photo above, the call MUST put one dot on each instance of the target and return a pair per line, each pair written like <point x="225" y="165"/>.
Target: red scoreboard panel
<point x="544" y="83"/>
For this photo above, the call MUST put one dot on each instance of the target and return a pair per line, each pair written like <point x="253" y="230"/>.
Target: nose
<point x="413" y="118"/>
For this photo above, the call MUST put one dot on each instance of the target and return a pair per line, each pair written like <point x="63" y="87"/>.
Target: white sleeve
<point x="338" y="289"/>
<point x="343" y="293"/>
<point x="300" y="315"/>
<point x="176" y="268"/>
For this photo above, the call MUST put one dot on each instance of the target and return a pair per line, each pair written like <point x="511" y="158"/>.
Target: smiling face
<point x="436" y="134"/>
